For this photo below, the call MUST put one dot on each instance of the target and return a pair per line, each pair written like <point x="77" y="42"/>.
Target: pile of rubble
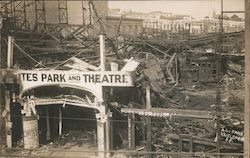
<point x="192" y="80"/>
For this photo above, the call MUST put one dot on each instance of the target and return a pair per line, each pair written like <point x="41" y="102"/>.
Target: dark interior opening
<point x="78" y="125"/>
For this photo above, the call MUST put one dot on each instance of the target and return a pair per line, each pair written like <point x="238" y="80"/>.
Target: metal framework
<point x="6" y="7"/>
<point x="63" y="12"/>
<point x="19" y="11"/>
<point x="90" y="13"/>
<point x="40" y="15"/>
<point x="84" y="12"/>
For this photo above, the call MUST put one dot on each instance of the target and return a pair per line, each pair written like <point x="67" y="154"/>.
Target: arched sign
<point x="92" y="81"/>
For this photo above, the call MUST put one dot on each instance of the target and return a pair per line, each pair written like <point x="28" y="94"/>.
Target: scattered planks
<point x="203" y="141"/>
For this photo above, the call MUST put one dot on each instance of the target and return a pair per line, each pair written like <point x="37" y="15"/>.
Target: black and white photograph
<point x="124" y="79"/>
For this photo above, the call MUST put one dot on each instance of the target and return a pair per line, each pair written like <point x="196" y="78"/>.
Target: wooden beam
<point x="158" y="50"/>
<point x="203" y="141"/>
<point x="163" y="112"/>
<point x="55" y="50"/>
<point x="74" y="32"/>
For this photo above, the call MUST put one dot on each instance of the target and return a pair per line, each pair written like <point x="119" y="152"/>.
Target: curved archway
<point x="64" y="94"/>
<point x="75" y="98"/>
<point x="82" y="88"/>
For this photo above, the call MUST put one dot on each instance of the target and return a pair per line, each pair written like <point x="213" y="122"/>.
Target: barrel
<point x="30" y="132"/>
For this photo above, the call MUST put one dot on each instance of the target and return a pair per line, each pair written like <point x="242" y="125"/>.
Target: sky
<point x="195" y="8"/>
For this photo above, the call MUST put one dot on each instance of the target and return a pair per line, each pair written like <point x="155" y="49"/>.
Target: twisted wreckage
<point x="182" y="97"/>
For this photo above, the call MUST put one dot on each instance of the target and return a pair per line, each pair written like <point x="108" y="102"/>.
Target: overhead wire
<point x="102" y="30"/>
<point x="134" y="121"/>
<point x="63" y="62"/>
<point x="27" y="54"/>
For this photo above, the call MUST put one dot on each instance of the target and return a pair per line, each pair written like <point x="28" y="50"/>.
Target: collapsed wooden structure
<point x="165" y="67"/>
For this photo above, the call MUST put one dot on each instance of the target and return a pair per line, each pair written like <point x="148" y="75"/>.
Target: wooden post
<point x="95" y="137"/>
<point x="176" y="71"/>
<point x="60" y="121"/>
<point x="101" y="137"/>
<point x="149" y="126"/>
<point x="148" y="99"/>
<point x="114" y="67"/>
<point x="247" y="82"/>
<point x="191" y="149"/>
<point x="107" y="136"/>
<point x="8" y="123"/>
<point x="218" y="130"/>
<point x="106" y="124"/>
<point x="131" y="132"/>
<point x="10" y="52"/>
<point x="111" y="134"/>
<point x="48" y="134"/>
<point x="102" y="52"/>
<point x="180" y="145"/>
<point x="148" y="119"/>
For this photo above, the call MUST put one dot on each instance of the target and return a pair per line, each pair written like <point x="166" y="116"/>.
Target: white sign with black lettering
<point x="91" y="80"/>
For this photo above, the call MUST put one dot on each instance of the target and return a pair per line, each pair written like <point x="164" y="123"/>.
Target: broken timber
<point x="204" y="141"/>
<point x="162" y="112"/>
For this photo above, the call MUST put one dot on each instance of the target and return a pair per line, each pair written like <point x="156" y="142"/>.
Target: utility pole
<point x="247" y="82"/>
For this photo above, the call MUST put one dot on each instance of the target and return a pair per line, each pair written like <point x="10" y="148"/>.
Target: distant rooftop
<point x="123" y="18"/>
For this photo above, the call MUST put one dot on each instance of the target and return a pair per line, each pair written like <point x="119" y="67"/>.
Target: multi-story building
<point x="193" y="26"/>
<point x="160" y="22"/>
<point x="124" y="25"/>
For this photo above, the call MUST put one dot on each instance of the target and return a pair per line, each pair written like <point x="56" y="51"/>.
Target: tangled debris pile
<point x="192" y="78"/>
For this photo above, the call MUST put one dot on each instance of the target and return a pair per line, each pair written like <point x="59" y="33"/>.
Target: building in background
<point x="124" y="25"/>
<point x="159" y="21"/>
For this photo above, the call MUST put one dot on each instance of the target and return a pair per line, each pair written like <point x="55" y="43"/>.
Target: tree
<point x="235" y="18"/>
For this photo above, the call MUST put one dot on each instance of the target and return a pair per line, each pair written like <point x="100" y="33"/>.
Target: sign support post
<point x="103" y="126"/>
